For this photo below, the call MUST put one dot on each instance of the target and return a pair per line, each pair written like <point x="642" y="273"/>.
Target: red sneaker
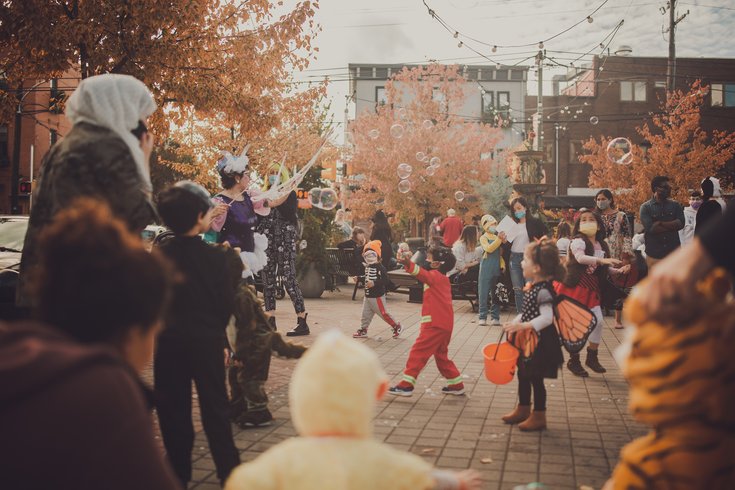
<point x="457" y="389"/>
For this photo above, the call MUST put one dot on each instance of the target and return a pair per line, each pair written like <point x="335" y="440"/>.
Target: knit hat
<point x="373" y="245"/>
<point x="487" y="221"/>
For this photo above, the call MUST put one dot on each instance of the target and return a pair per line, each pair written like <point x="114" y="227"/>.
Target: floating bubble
<point x="420" y="155"/>
<point x="396" y="131"/>
<point x="373" y="134"/>
<point x="594" y="120"/>
<point x="303" y="244"/>
<point x="459" y="196"/>
<point x="426" y="159"/>
<point x="401" y="113"/>
<point x="619" y="151"/>
<point x="427" y="124"/>
<point x="314" y="196"/>
<point x="430" y="170"/>
<point x="404" y="186"/>
<point x="435" y="162"/>
<point x="328" y="199"/>
<point x="404" y="170"/>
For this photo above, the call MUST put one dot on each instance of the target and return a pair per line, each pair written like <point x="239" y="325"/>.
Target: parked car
<point x="12" y="235"/>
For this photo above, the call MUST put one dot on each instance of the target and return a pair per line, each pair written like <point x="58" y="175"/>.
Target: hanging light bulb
<point x="497" y="66"/>
<point x="456" y="34"/>
<point x="602" y="46"/>
<point x="459" y="44"/>
<point x="590" y="19"/>
<point x="541" y="45"/>
<point x="495" y="49"/>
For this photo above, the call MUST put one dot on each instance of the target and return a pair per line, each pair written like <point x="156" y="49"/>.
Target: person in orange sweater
<point x="437" y="322"/>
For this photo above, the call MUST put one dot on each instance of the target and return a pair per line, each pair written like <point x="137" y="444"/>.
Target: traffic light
<point x="25" y="187"/>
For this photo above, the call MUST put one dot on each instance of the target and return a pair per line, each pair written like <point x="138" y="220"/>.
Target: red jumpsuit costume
<point x="437" y="322"/>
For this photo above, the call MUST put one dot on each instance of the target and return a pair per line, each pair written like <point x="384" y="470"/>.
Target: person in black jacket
<point x="534" y="229"/>
<point x="381" y="231"/>
<point x="710" y="208"/>
<point x="192" y="344"/>
<point x="376" y="285"/>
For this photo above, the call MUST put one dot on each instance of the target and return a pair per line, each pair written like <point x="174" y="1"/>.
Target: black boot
<point x="259" y="418"/>
<point x="593" y="362"/>
<point x="301" y="328"/>
<point x="575" y="366"/>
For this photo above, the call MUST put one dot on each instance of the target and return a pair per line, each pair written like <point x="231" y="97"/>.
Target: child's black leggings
<point x="539" y="391"/>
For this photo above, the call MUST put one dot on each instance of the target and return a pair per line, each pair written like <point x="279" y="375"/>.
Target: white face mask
<point x="370" y="257"/>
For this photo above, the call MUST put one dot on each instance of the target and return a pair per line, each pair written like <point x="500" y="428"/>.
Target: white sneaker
<point x="483" y="321"/>
<point x="495" y="323"/>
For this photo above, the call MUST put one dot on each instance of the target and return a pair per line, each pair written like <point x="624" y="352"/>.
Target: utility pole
<point x="540" y="100"/>
<point x="556" y="159"/>
<point x="673" y="21"/>
<point x="15" y="170"/>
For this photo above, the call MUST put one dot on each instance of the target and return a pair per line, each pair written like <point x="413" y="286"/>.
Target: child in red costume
<point x="437" y="322"/>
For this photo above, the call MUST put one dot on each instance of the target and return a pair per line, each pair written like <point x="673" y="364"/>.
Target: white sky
<point x="401" y="31"/>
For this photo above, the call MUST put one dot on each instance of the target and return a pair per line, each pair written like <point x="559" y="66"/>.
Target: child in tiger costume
<point x="682" y="384"/>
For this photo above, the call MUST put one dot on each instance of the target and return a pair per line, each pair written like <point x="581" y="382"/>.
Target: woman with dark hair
<point x="105" y="155"/>
<point x="381" y="231"/>
<point x="71" y="400"/>
<point x="235" y="218"/>
<point x="619" y="233"/>
<point x="711" y="208"/>
<point x="588" y="259"/>
<point x="533" y="229"/>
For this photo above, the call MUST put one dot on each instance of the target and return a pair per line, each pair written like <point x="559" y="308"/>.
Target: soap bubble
<point x="594" y="120"/>
<point x="314" y="196"/>
<point x="619" y="151"/>
<point x="459" y="196"/>
<point x="404" y="186"/>
<point x="420" y="155"/>
<point x="373" y="134"/>
<point x="426" y="159"/>
<point x="401" y="113"/>
<point x="435" y="162"/>
<point x="303" y="245"/>
<point x="396" y="131"/>
<point x="427" y="124"/>
<point x="328" y="199"/>
<point x="430" y="170"/>
<point x="404" y="170"/>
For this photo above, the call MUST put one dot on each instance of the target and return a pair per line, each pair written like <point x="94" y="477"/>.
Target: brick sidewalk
<point x="588" y="421"/>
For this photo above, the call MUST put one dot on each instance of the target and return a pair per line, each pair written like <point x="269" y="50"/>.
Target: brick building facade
<point x="621" y="92"/>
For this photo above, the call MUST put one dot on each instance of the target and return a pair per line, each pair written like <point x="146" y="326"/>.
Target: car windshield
<point x="12" y="233"/>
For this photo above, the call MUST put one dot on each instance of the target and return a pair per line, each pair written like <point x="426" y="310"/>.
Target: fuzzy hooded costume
<point x="335" y="449"/>
<point x="682" y="385"/>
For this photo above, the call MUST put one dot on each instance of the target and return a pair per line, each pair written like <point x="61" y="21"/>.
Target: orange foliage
<point x="679" y="149"/>
<point x="457" y="142"/>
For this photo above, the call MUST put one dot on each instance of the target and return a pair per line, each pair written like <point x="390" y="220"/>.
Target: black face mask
<point x="664" y="193"/>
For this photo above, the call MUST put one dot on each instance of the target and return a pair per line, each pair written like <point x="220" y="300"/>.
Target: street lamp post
<point x="556" y="156"/>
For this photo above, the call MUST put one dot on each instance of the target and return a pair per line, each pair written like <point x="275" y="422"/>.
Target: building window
<point x="380" y="98"/>
<point x="633" y="91"/>
<point x="723" y="94"/>
<point x="486" y="74"/>
<point x="472" y="74"/>
<point x="516" y="75"/>
<point x="438" y="96"/>
<point x="488" y="107"/>
<point x="501" y="74"/>
<point x="504" y="103"/>
<point x="381" y="73"/>
<point x="659" y="84"/>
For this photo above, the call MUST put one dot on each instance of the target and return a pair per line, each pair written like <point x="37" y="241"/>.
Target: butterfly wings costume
<point x="573" y="324"/>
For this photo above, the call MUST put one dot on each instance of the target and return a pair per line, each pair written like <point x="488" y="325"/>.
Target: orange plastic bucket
<point x="500" y="362"/>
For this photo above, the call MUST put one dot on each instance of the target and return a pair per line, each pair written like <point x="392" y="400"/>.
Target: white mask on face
<point x="370" y="257"/>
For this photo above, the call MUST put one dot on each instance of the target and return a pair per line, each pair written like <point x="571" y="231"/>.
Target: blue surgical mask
<point x="494" y="231"/>
<point x="272" y="179"/>
<point x="520" y="214"/>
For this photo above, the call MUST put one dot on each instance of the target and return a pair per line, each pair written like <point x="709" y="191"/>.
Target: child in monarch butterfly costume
<point x="532" y="330"/>
<point x="588" y="261"/>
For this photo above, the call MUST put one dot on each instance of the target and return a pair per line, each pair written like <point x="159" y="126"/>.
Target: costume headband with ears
<point x="234" y="165"/>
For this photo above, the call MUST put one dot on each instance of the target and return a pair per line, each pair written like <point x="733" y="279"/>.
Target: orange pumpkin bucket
<point x="500" y="362"/>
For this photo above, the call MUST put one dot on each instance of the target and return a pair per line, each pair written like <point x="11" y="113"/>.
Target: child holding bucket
<point x="542" y="266"/>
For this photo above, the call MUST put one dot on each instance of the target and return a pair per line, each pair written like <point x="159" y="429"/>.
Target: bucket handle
<point x="497" y="345"/>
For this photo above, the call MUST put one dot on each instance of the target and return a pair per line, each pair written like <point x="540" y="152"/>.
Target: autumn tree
<point x="213" y="64"/>
<point x="421" y="117"/>
<point x="679" y="148"/>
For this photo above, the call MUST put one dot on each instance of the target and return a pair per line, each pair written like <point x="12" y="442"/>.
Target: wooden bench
<point x="343" y="264"/>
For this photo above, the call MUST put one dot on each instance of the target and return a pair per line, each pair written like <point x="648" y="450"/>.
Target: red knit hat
<point x="373" y="245"/>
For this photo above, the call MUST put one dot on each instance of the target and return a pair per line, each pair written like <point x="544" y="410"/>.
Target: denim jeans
<point x="486" y="283"/>
<point x="516" y="277"/>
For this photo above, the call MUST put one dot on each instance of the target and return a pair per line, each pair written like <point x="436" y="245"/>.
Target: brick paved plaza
<point x="588" y="421"/>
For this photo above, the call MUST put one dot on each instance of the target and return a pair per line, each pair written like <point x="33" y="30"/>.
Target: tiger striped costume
<point x="682" y="384"/>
